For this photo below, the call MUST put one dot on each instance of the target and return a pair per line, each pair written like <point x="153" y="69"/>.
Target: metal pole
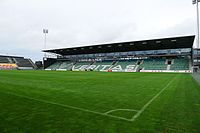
<point x="197" y="3"/>
<point x="45" y="31"/>
<point x="45" y="40"/>
<point x="45" y="43"/>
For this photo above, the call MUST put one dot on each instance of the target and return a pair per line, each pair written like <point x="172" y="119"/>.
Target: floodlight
<point x="196" y="2"/>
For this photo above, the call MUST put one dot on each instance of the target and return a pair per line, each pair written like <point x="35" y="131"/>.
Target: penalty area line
<point x="68" y="106"/>
<point x="150" y="101"/>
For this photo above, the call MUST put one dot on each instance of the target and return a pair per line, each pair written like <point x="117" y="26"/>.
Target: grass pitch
<point x="97" y="102"/>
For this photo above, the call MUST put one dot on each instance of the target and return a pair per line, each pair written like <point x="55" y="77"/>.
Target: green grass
<point x="76" y="102"/>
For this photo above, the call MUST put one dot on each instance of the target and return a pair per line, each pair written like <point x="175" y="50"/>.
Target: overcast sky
<point x="84" y="22"/>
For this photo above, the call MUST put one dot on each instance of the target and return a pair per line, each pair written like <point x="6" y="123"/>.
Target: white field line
<point x="131" y="110"/>
<point x="150" y="101"/>
<point x="68" y="106"/>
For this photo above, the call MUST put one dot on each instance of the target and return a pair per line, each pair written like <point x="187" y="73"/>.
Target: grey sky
<point x="83" y="22"/>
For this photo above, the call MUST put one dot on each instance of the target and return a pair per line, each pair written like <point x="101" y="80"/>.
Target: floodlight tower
<point x="45" y="31"/>
<point x="197" y="6"/>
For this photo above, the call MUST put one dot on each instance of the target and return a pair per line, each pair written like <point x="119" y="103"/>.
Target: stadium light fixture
<point x="197" y="7"/>
<point x="45" y="31"/>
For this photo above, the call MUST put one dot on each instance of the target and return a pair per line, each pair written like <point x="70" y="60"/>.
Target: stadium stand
<point x="55" y="66"/>
<point x="180" y="64"/>
<point x="158" y="55"/>
<point x="125" y="65"/>
<point x="66" y="65"/>
<point x="122" y="65"/>
<point x="14" y="62"/>
<point x="21" y="62"/>
<point x="62" y="65"/>
<point x="82" y="66"/>
<point x="4" y="60"/>
<point x="102" y="65"/>
<point x="154" y="64"/>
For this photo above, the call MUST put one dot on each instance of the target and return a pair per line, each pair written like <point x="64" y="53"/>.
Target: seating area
<point x="20" y="62"/>
<point x="55" y="66"/>
<point x="150" y="64"/>
<point x="4" y="60"/>
<point x="154" y="64"/>
<point x="126" y="64"/>
<point x="66" y="65"/>
<point x="81" y="65"/>
<point x="180" y="64"/>
<point x="94" y="66"/>
<point x="102" y="65"/>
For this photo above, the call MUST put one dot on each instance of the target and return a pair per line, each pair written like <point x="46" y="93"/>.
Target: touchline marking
<point x="131" y="110"/>
<point x="69" y="106"/>
<point x="149" y="102"/>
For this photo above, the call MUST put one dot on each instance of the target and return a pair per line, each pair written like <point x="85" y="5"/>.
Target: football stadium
<point x="147" y="86"/>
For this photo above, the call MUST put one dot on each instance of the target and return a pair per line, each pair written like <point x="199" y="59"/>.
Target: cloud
<point x="186" y="27"/>
<point x="77" y="22"/>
